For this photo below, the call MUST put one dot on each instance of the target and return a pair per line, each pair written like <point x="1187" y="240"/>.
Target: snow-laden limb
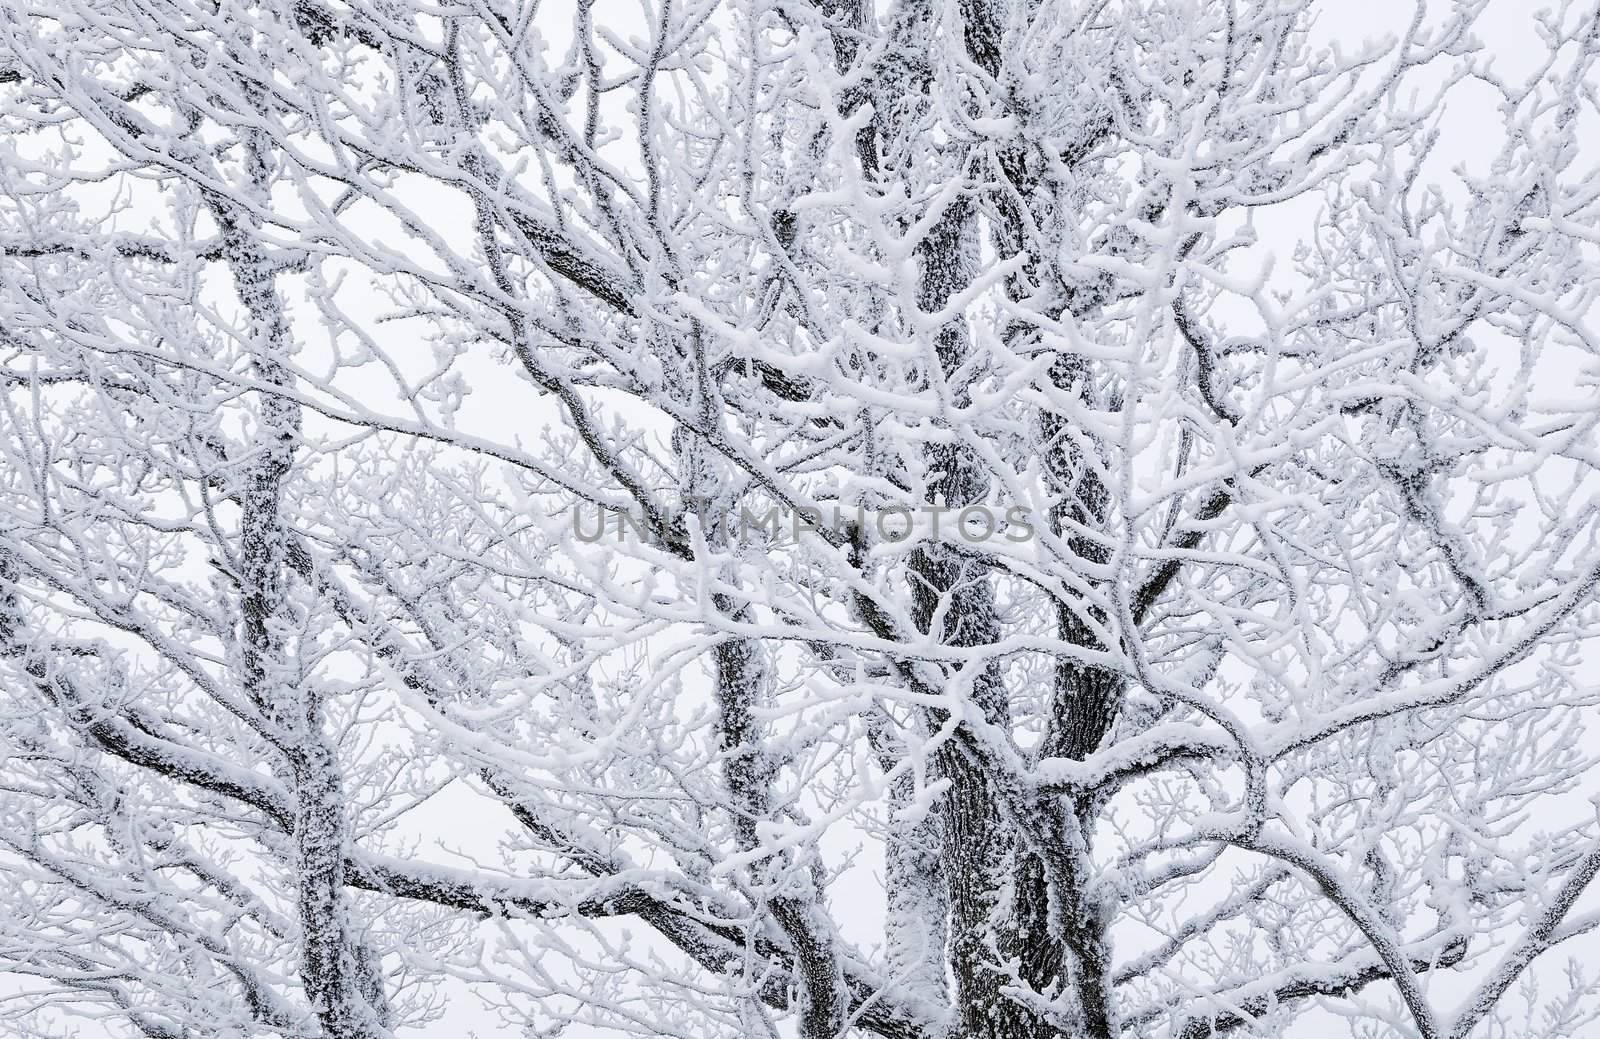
<point x="935" y="521"/>
<point x="1545" y="931"/>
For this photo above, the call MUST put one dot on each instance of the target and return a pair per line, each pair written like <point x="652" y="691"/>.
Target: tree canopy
<point x="997" y="519"/>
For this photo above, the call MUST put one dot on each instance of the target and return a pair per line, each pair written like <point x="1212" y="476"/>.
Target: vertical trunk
<point x="1085" y="698"/>
<point x="917" y="906"/>
<point x="740" y="683"/>
<point x="1051" y="912"/>
<point x="914" y="884"/>
<point x="1056" y="933"/>
<point x="1054" y="911"/>
<point x="978" y="845"/>
<point x="347" y="1000"/>
<point x="11" y="643"/>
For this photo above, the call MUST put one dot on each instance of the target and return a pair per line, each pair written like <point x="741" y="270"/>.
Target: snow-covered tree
<point x="988" y="519"/>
